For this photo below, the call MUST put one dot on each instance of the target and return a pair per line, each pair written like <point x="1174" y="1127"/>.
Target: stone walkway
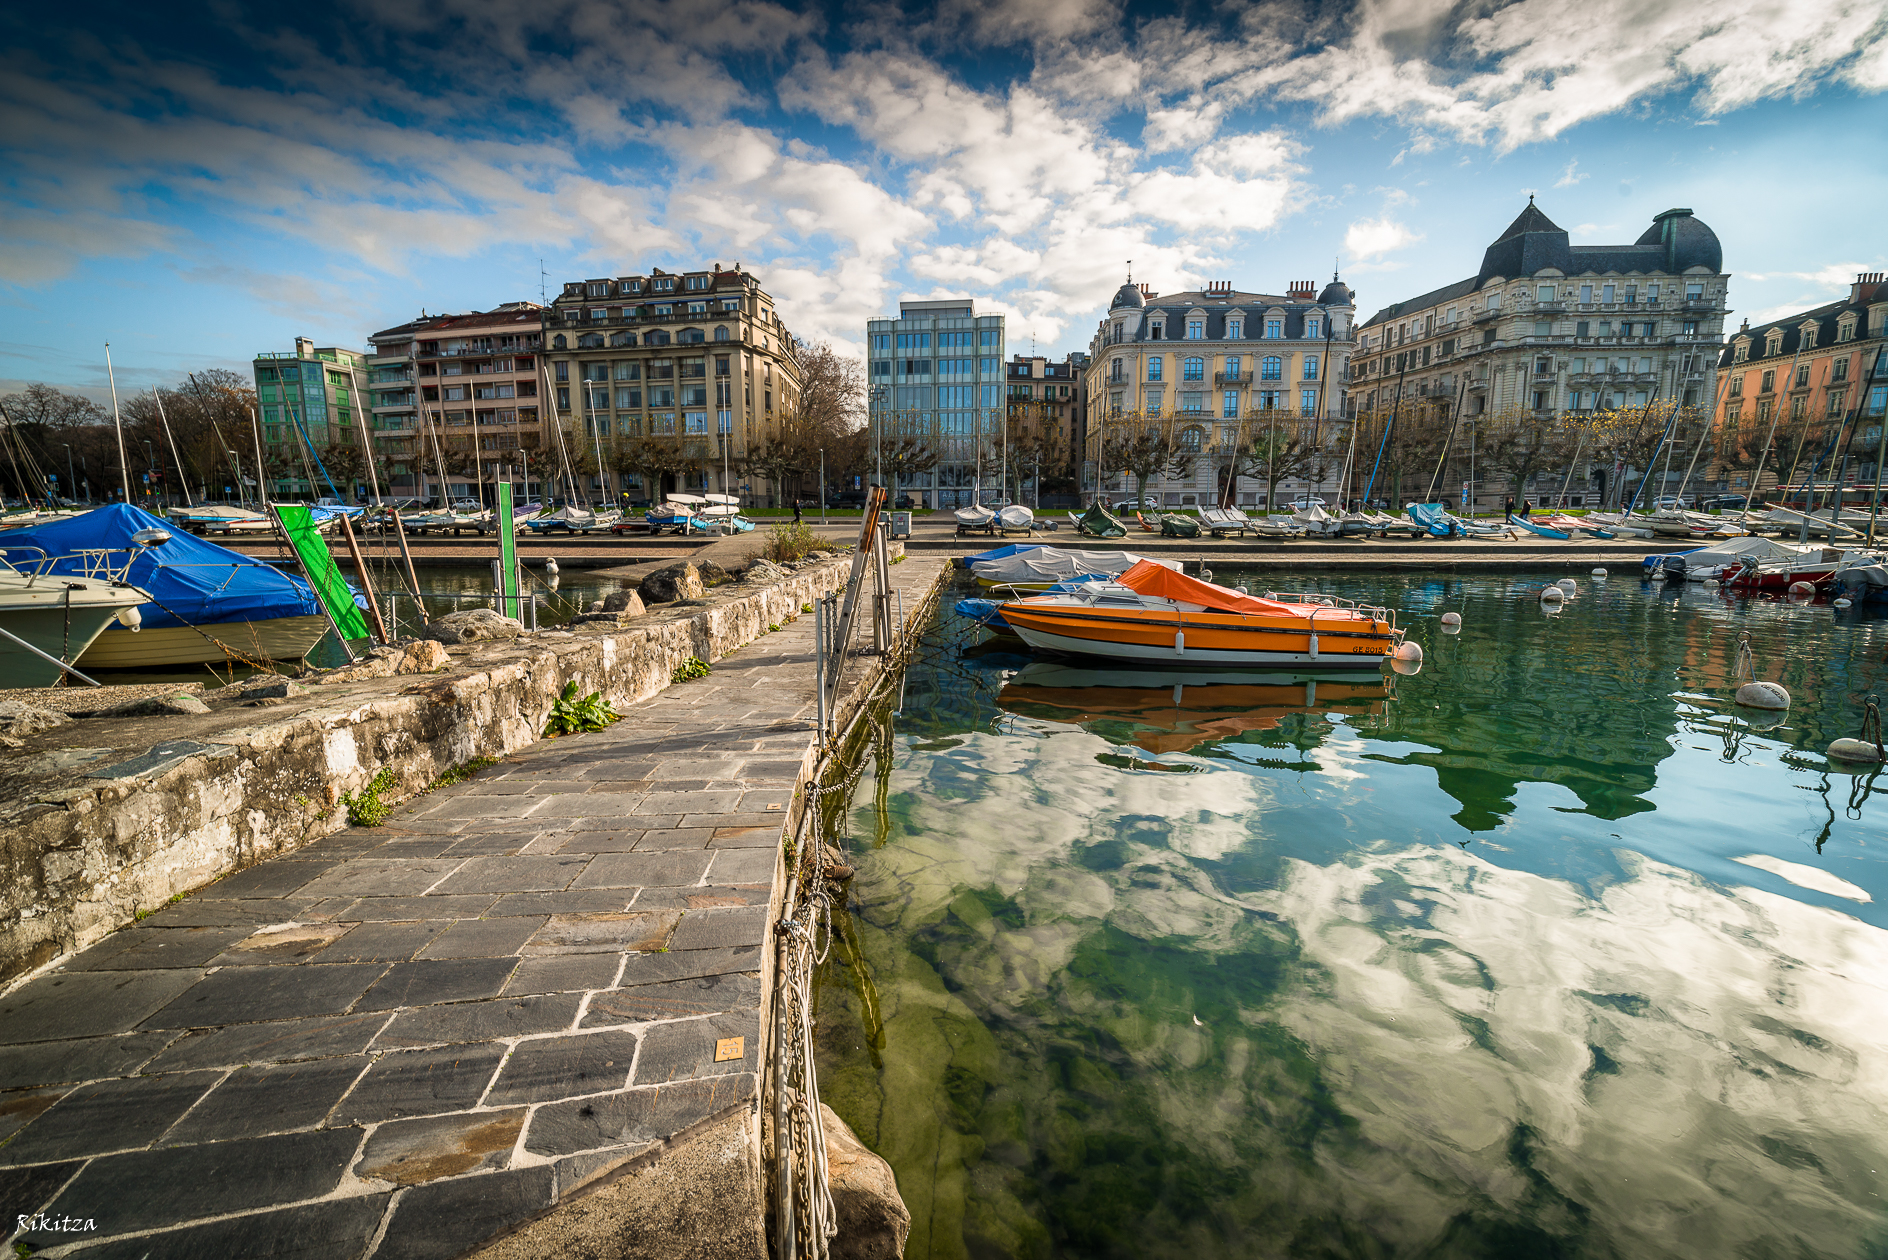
<point x="402" y="1041"/>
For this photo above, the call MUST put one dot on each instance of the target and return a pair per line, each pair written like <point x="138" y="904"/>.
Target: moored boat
<point x="1098" y="522"/>
<point x="1541" y="528"/>
<point x="1816" y="566"/>
<point x="46" y="614"/>
<point x="975" y="517"/>
<point x="1038" y="568"/>
<point x="1153" y="614"/>
<point x="1017" y="518"/>
<point x="1175" y="525"/>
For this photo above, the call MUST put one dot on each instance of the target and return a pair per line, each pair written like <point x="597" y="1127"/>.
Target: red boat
<point x="1818" y="568"/>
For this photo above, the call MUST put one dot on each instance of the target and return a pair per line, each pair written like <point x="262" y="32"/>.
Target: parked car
<point x="1137" y="505"/>
<point x="1670" y="501"/>
<point x="1304" y="505"/>
<point x="1725" y="502"/>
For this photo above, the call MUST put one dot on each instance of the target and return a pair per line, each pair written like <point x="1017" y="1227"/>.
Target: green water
<point x="1540" y="952"/>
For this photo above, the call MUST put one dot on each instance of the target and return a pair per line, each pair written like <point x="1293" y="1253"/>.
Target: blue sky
<point x="196" y="190"/>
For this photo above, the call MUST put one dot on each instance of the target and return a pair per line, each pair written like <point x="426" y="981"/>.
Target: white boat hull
<point x="1249" y="659"/>
<point x="278" y="639"/>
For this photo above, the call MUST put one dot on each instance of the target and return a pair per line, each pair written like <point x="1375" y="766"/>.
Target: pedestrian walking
<point x="796" y="511"/>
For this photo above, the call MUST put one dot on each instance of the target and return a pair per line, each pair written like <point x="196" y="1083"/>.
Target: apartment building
<point x="1210" y="364"/>
<point x="455" y="401"/>
<point x="672" y="378"/>
<point x="1816" y="373"/>
<point x="935" y="378"/>
<point x="1047" y="404"/>
<point x="308" y="399"/>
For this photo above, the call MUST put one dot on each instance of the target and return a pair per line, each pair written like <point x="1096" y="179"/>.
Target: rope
<point x="1871" y="727"/>
<point x="1746" y="670"/>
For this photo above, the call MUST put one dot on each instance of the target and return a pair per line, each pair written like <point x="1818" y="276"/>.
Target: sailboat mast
<point x="177" y="463"/>
<point x="124" y="466"/>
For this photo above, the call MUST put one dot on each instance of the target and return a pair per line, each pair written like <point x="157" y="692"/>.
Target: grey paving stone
<point x="721" y="929"/>
<point x="514" y="874"/>
<point x="676" y="999"/>
<point x="732" y="818"/>
<point x="577" y="1171"/>
<point x="484" y="938"/>
<point x="702" y="897"/>
<point x="418" y="847"/>
<point x="756" y="800"/>
<point x="420" y="1083"/>
<point x="759" y="836"/>
<point x="244" y="995"/>
<point x="280" y="943"/>
<point x="350" y="843"/>
<point x="644" y="870"/>
<point x="380" y="877"/>
<point x="427" y="981"/>
<point x="782" y="769"/>
<point x="60" y="1062"/>
<point x="667" y="838"/>
<point x="20" y="1107"/>
<point x="251" y="913"/>
<point x="631" y="787"/>
<point x="491" y="1020"/>
<point x="687" y="803"/>
<point x="143" y="1190"/>
<point x="274" y="878"/>
<point x="573" y="972"/>
<point x="494" y="843"/>
<point x="742" y="866"/>
<point x="467" y="807"/>
<point x="584" y="901"/>
<point x="643" y="822"/>
<point x="519" y="785"/>
<point x="612" y="841"/>
<point x="310" y="1231"/>
<point x="446" y="1219"/>
<point x="383" y="942"/>
<point x="413" y="1152"/>
<point x="135" y="949"/>
<point x="590" y="805"/>
<point x="719" y="766"/>
<point x="64" y="1005"/>
<point x="24" y="1191"/>
<point x="632" y="1117"/>
<point x="687" y="1049"/>
<point x="280" y="1042"/>
<point x="683" y="964"/>
<point x="268" y="1098"/>
<point x="564" y="1067"/>
<point x="118" y="1115"/>
<point x="370" y="909"/>
<point x="603" y="933"/>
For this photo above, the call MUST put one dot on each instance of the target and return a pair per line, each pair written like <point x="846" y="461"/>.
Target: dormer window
<point x="1741" y="352"/>
<point x="664" y="284"/>
<point x="1845" y="331"/>
<point x="1156" y="332"/>
<point x="1235" y="328"/>
<point x="1314" y="327"/>
<point x="1274" y="329"/>
<point x="698" y="282"/>
<point x="1773" y="345"/>
<point x="1196" y="330"/>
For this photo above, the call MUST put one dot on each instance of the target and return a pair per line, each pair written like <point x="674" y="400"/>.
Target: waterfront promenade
<point x="536" y="994"/>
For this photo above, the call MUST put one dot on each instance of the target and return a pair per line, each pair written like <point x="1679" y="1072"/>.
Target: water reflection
<point x="1543" y="952"/>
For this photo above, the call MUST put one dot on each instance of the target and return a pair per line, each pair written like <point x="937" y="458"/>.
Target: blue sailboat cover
<point x="192" y="581"/>
<point x="999" y="553"/>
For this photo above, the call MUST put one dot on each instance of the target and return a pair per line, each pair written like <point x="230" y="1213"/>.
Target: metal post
<point x="819" y="680"/>
<point x="367" y="582"/>
<point x="822" y="485"/>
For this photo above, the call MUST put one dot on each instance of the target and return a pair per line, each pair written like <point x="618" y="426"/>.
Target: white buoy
<point x="1801" y="590"/>
<point x="1407" y="651"/>
<point x="1451" y="619"/>
<point x="1842" y="603"/>
<point x="1657" y="575"/>
<point x="1552" y="595"/>
<point x="1710" y="584"/>
<point x="1846" y="749"/>
<point x="1406" y="668"/>
<point x="1756" y="694"/>
<point x="1599" y="573"/>
<point x="131" y="619"/>
<point x="1567" y="584"/>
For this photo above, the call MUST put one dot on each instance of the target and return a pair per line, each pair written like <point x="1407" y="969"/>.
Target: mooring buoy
<point x="1755" y="694"/>
<point x="1867" y="746"/>
<point x="1407" y="651"/>
<point x="1599" y="573"/>
<point x="1801" y="590"/>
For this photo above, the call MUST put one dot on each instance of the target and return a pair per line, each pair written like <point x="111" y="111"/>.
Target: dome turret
<point x="1337" y="293"/>
<point x="1128" y="294"/>
<point x="1687" y="242"/>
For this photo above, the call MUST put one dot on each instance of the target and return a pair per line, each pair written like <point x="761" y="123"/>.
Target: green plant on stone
<point x="571" y="715"/>
<point x="773" y="627"/>
<point x="367" y="809"/>
<point x="692" y="668"/>
<point x="461" y="772"/>
<point x="806" y="608"/>
<point x="790" y="541"/>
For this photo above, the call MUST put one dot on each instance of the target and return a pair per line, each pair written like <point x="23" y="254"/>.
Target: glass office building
<point x="936" y="386"/>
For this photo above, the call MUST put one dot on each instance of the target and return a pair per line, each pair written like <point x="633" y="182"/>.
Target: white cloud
<point x="1571" y="176"/>
<point x="1368" y="239"/>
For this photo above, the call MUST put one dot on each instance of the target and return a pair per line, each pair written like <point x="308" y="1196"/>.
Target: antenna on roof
<point x="543" y="276"/>
<point x="1130" y="271"/>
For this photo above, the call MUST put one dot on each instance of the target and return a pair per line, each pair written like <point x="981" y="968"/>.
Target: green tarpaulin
<point x="508" y="554"/>
<point x="323" y="574"/>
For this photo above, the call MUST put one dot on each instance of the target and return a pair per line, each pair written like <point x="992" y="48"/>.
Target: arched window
<point x="1193" y="369"/>
<point x="590" y="341"/>
<point x="691" y="335"/>
<point x="721" y="333"/>
<point x="558" y="342"/>
<point x="1271" y="368"/>
<point x="623" y="339"/>
<point x="657" y="338"/>
<point x="1190" y="441"/>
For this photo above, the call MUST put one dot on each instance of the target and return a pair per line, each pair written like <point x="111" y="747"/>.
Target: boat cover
<point x="1101" y="523"/>
<point x="1150" y="577"/>
<point x="1016" y="516"/>
<point x="1432" y="517"/>
<point x="192" y="581"/>
<point x="999" y="553"/>
<point x="1730" y="551"/>
<point x="1050" y="564"/>
<point x="974" y="515"/>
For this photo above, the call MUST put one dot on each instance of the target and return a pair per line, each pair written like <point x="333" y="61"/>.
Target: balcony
<point x="1555" y="307"/>
<point x="1483" y="317"/>
<point x="1232" y="378"/>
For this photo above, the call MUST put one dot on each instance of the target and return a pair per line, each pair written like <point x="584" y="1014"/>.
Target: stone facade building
<point x="935" y="380"/>
<point x="1818" y="379"/>
<point x="1546" y="327"/>
<point x="1210" y="364"/>
<point x="312" y="391"/>
<point x="1047" y="403"/>
<point x="445" y="386"/>
<point x="694" y="366"/>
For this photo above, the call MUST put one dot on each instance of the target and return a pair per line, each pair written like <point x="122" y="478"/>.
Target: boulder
<point x="713" y="574"/>
<point x="18" y="719"/>
<point x="873" y="1221"/>
<point x="763" y="570"/>
<point x="158" y="706"/>
<point x="624" y="601"/>
<point x="678" y="581"/>
<point x="422" y="658"/>
<point x="270" y="688"/>
<point x="473" y="625"/>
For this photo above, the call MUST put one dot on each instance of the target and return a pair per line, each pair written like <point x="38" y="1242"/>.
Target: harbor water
<point x="1543" y="951"/>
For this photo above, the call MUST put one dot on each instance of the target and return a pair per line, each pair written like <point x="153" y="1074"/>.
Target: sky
<point x="194" y="190"/>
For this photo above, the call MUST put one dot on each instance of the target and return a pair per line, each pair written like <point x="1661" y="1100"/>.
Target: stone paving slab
<point x="399" y="1041"/>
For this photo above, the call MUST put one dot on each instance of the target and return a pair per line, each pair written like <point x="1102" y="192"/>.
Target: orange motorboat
<point x="1153" y="615"/>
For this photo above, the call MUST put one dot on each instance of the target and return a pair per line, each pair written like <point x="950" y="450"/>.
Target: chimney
<point x="1865" y="286"/>
<point x="304" y="348"/>
<point x="1146" y="292"/>
<point x="1306" y="289"/>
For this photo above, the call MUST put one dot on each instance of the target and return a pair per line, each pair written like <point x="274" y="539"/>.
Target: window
<point x="1769" y="381"/>
<point x="558" y="342"/>
<point x="1694" y="291"/>
<point x="1193" y="369"/>
<point x="1156" y="331"/>
<point x="1153" y="401"/>
<point x="1308" y="401"/>
<point x="1190" y="441"/>
<point x="721" y="365"/>
<point x="1274" y="329"/>
<point x="1235" y="328"/>
<point x="1737" y="387"/>
<point x="1271" y="368"/>
<point x="1232" y="366"/>
<point x="1192" y="400"/>
<point x="914" y="341"/>
<point x="1196" y="330"/>
<point x="1153" y="367"/>
<point x="1774" y="346"/>
<point x="1583" y="329"/>
<point x="1835" y="404"/>
<point x="1606" y="293"/>
<point x="664" y="284"/>
<point x="1269" y="398"/>
<point x="1573" y="399"/>
<point x="1802" y="375"/>
<point x="721" y="333"/>
<point x="1586" y="293"/>
<point x="1645" y="365"/>
<point x="628" y="398"/>
<point x="1878" y="400"/>
<point x="1314" y="327"/>
<point x="1632" y="294"/>
<point x="989" y="337"/>
<point x="1311" y="367"/>
<point x="1230" y="407"/>
<point x="1846" y="331"/>
<point x="698" y="282"/>
<point x="1740" y="352"/>
<point x="1546" y="294"/>
<point x="1841" y="371"/>
<point x="1543" y="328"/>
<point x="1763" y="410"/>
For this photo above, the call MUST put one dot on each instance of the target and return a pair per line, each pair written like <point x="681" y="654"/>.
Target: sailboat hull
<point x="277" y="639"/>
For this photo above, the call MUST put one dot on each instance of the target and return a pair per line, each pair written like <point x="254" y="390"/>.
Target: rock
<point x="762" y="570"/>
<point x="270" y="689"/>
<point x="18" y="719"/>
<point x="422" y="658"/>
<point x="678" y="581"/>
<point x="873" y="1221"/>
<point x="473" y="625"/>
<point x="158" y="706"/>
<point x="596" y="606"/>
<point x="623" y="601"/>
<point x="713" y="574"/>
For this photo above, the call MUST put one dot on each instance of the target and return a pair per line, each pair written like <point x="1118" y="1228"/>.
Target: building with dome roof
<point x="1206" y="368"/>
<point x="1546" y="327"/>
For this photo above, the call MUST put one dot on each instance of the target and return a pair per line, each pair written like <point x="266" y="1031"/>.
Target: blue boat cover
<point x="999" y="553"/>
<point x="1434" y="518"/>
<point x="192" y="581"/>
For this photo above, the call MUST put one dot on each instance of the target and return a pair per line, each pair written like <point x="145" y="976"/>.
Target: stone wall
<point x="82" y="855"/>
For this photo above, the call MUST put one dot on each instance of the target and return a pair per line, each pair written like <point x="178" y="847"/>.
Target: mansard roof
<point x="1826" y="317"/>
